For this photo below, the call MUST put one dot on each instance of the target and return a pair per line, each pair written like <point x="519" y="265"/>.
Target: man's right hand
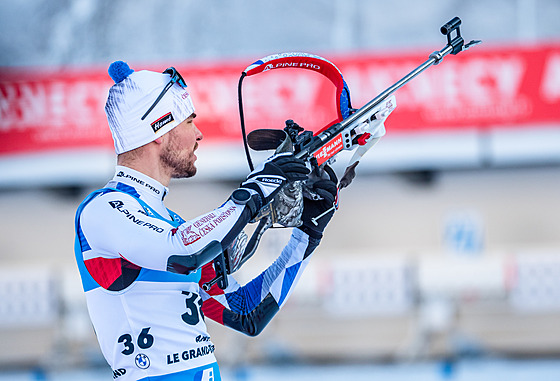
<point x="273" y="173"/>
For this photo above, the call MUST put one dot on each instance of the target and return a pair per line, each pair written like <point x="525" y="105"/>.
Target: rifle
<point x="357" y="129"/>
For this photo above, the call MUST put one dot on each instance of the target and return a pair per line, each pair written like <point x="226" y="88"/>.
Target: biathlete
<point x="143" y="266"/>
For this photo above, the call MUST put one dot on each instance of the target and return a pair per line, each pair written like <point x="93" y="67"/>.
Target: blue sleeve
<point x="250" y="308"/>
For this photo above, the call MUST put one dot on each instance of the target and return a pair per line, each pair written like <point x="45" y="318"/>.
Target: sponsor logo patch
<point x="118" y="205"/>
<point x="118" y="372"/>
<point x="142" y="361"/>
<point x="138" y="181"/>
<point x="305" y="65"/>
<point x="189" y="236"/>
<point x="190" y="354"/>
<point x="329" y="150"/>
<point x="270" y="180"/>
<point x="204" y="225"/>
<point x="158" y="124"/>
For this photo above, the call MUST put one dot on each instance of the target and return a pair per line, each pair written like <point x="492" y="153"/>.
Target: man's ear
<point x="158" y="140"/>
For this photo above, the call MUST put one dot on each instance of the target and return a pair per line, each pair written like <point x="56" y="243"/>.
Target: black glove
<point x="272" y="174"/>
<point x="316" y="202"/>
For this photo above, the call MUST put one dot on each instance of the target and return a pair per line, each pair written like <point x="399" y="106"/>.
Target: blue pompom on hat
<point x="119" y="70"/>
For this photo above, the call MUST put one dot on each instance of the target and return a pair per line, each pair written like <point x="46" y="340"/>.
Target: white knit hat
<point x="132" y="95"/>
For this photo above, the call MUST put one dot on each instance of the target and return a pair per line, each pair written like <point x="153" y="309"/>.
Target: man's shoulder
<point x="106" y="200"/>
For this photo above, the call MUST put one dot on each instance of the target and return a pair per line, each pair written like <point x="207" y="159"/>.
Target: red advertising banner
<point x="51" y="110"/>
<point x="481" y="88"/>
<point x="510" y="87"/>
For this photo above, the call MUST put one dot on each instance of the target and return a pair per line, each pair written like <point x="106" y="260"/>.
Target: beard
<point x="179" y="165"/>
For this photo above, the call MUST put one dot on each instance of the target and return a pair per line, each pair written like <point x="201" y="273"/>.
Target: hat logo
<point x="158" y="124"/>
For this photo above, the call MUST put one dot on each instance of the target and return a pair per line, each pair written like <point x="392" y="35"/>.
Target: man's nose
<point x="198" y="133"/>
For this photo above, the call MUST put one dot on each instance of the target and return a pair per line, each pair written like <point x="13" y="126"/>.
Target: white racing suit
<point x="142" y="268"/>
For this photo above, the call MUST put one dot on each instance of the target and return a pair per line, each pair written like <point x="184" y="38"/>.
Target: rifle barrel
<point x="433" y="60"/>
<point x="453" y="46"/>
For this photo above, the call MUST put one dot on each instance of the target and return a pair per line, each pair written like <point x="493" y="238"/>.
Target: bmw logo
<point x="142" y="361"/>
